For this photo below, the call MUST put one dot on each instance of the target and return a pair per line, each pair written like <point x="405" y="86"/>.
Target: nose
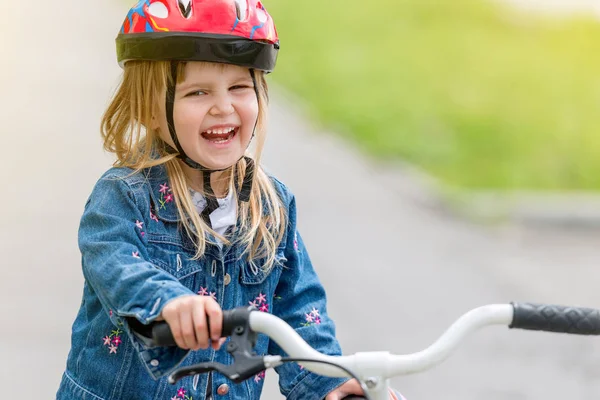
<point x="223" y="105"/>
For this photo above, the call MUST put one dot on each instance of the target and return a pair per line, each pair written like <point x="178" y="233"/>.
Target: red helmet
<point x="239" y="32"/>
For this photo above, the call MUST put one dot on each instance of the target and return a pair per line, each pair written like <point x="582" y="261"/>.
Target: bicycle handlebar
<point x="383" y="365"/>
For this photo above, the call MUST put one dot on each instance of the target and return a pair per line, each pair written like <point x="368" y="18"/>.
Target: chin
<point x="219" y="164"/>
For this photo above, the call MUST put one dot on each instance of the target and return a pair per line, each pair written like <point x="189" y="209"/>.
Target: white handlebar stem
<point x="381" y="365"/>
<point x="293" y="344"/>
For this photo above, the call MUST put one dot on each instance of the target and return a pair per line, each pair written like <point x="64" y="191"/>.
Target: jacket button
<point x="223" y="389"/>
<point x="227" y="279"/>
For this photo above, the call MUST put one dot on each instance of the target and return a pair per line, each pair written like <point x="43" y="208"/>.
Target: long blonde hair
<point x="127" y="132"/>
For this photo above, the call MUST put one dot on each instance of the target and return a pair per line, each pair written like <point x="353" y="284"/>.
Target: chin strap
<point x="211" y="201"/>
<point x="243" y="193"/>
<point x="246" y="189"/>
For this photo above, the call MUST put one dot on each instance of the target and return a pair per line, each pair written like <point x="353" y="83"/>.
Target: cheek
<point x="188" y="119"/>
<point x="249" y="112"/>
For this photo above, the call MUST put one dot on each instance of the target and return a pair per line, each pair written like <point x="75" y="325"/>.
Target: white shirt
<point x="221" y="218"/>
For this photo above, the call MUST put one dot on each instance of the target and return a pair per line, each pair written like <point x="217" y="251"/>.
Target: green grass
<point x="476" y="94"/>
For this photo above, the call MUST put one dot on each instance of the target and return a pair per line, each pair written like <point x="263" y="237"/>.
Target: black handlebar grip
<point x="239" y="316"/>
<point x="162" y="335"/>
<point x="553" y="318"/>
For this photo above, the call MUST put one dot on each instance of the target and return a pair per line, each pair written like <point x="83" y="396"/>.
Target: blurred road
<point x="397" y="274"/>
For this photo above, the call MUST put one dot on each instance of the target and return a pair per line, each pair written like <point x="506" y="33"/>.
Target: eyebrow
<point x="199" y="84"/>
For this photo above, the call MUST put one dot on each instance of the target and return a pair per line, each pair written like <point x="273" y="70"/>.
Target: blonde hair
<point x="126" y="130"/>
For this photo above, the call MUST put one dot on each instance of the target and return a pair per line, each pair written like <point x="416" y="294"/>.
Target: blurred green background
<point x="477" y="93"/>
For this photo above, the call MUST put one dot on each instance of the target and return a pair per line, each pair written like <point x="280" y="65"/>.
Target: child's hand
<point x="349" y="387"/>
<point x="187" y="317"/>
<point x="352" y="387"/>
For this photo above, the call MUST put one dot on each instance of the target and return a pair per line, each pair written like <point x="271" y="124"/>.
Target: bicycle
<point x="372" y="369"/>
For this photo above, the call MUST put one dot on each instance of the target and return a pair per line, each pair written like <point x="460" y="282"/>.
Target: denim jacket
<point x="135" y="259"/>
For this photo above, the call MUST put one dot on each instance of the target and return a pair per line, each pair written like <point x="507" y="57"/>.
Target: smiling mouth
<point x="220" y="135"/>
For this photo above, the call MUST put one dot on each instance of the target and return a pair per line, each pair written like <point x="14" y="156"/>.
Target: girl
<point x="188" y="223"/>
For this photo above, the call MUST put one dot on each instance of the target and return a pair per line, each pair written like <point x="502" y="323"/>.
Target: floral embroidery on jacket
<point x="260" y="302"/>
<point x="140" y="225"/>
<point x="260" y="376"/>
<point x="113" y="340"/>
<point x="204" y="292"/>
<point x="181" y="395"/>
<point x="165" y="195"/>
<point x="312" y="317"/>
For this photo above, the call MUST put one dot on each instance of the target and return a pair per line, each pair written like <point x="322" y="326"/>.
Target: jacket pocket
<point x="254" y="273"/>
<point x="170" y="254"/>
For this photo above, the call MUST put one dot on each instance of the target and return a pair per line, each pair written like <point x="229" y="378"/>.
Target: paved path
<point x="397" y="274"/>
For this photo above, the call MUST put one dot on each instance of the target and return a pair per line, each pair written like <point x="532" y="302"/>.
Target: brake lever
<point x="232" y="372"/>
<point x="246" y="363"/>
<point x="195" y="369"/>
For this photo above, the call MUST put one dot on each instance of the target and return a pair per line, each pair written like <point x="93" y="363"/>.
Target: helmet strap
<point x="211" y="201"/>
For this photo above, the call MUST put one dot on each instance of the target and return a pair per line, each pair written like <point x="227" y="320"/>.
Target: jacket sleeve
<point x="111" y="240"/>
<point x="303" y="306"/>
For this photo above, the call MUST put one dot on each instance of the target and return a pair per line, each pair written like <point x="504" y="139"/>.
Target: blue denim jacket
<point x="135" y="259"/>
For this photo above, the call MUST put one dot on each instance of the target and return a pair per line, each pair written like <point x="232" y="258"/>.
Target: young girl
<point x="188" y="223"/>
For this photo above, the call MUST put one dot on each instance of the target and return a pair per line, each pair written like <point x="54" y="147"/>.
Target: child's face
<point x="215" y="112"/>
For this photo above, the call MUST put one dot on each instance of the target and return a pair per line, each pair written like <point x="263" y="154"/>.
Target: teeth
<point x="220" y="140"/>
<point x="220" y="131"/>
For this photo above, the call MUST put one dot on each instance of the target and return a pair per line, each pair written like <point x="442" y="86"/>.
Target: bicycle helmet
<point x="238" y="32"/>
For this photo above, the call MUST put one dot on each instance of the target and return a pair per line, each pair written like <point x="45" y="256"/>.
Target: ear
<point x="154" y="124"/>
<point x="157" y="114"/>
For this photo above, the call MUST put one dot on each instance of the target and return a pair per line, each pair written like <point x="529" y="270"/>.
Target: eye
<point x="238" y="87"/>
<point x="196" y="93"/>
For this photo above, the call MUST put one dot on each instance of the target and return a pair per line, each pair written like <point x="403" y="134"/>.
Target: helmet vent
<point x="185" y="6"/>
<point x="158" y="10"/>
<point x="261" y="14"/>
<point x="241" y="9"/>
